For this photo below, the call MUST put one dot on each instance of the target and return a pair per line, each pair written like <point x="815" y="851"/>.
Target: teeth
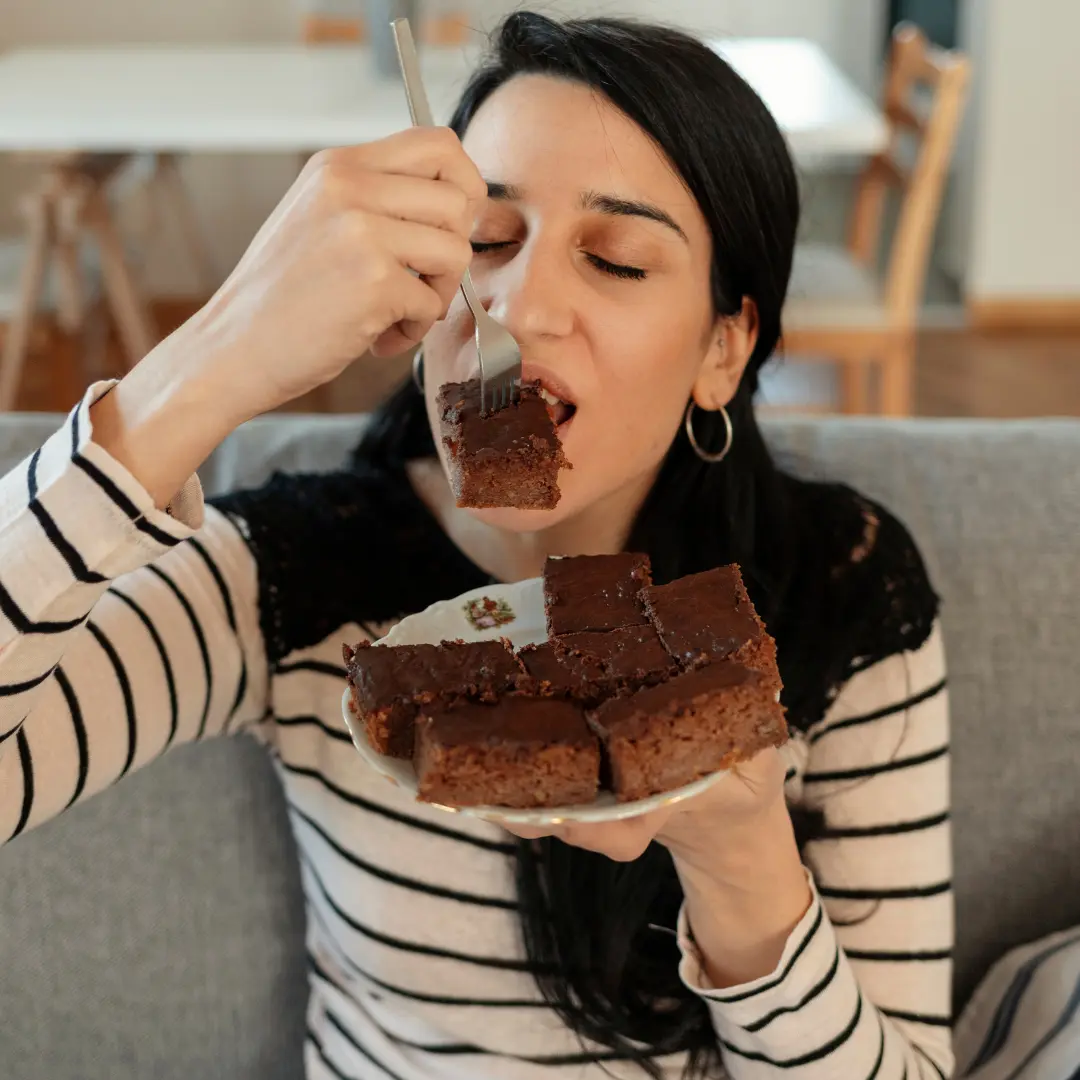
<point x="549" y="397"/>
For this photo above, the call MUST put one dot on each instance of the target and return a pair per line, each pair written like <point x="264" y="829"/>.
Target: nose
<point x="532" y="295"/>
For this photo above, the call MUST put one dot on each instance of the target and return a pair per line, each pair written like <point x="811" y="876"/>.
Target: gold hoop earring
<point x="705" y="455"/>
<point x="418" y="369"/>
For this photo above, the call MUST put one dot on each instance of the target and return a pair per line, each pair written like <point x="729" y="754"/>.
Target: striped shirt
<point x="125" y="631"/>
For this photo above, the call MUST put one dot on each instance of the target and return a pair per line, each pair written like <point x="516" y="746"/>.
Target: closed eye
<point x="632" y="273"/>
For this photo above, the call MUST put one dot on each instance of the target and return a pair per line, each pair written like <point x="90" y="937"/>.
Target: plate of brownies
<point x="590" y="694"/>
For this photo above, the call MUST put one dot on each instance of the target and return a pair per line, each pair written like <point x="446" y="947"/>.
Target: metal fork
<point x="496" y="349"/>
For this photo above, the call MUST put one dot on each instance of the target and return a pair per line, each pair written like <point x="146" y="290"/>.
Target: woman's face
<point x="594" y="255"/>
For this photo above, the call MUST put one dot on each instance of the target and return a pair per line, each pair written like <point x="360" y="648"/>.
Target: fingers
<point x="440" y="257"/>
<point x="414" y="198"/>
<point x="427" y="250"/>
<point x="413" y="307"/>
<point x="621" y="841"/>
<point x="431" y="153"/>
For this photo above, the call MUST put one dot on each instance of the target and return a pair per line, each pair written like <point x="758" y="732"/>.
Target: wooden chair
<point x="839" y="308"/>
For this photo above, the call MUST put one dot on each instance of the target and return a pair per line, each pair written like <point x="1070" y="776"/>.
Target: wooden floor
<point x="960" y="373"/>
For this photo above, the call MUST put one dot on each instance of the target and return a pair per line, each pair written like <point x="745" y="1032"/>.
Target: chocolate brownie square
<point x="389" y="683"/>
<point x="630" y="657"/>
<point x="703" y="720"/>
<point x="511" y="457"/>
<point x="524" y="752"/>
<point x="594" y="592"/>
<point x="708" y="616"/>
<point x="551" y="673"/>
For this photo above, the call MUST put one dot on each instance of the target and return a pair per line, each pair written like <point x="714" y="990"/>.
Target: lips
<point x="556" y="394"/>
<point x="560" y="410"/>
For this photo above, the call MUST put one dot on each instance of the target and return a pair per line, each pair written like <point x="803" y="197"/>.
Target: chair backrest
<point x="913" y="63"/>
<point x="325" y="24"/>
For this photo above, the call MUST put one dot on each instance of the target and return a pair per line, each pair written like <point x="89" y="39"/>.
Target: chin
<point x="511" y="519"/>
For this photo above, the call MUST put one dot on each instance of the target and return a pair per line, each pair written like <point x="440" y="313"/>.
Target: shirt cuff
<point x="810" y="953"/>
<point x="102" y="521"/>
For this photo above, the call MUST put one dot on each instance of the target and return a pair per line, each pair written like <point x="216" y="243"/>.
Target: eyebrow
<point x="503" y="192"/>
<point x="603" y="204"/>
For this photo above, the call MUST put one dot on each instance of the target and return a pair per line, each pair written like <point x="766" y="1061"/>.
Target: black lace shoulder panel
<point x="860" y="593"/>
<point x="347" y="546"/>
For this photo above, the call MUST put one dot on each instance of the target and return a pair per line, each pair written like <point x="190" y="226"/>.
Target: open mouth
<point x="560" y="411"/>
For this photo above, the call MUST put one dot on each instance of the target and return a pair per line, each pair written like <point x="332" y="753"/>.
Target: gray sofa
<point x="157" y="930"/>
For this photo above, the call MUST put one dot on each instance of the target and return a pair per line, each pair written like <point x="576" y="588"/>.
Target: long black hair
<point x="589" y="923"/>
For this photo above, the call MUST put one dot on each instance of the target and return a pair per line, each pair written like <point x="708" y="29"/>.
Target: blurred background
<point x="938" y="141"/>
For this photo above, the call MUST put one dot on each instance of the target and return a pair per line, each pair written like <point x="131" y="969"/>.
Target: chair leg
<point x="170" y="187"/>
<point x="71" y="288"/>
<point x="854" y="388"/>
<point x="898" y="378"/>
<point x="136" y="327"/>
<point x="17" y="338"/>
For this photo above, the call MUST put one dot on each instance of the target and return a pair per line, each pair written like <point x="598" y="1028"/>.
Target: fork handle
<point x="420" y="111"/>
<point x="476" y="306"/>
<point x="419" y="108"/>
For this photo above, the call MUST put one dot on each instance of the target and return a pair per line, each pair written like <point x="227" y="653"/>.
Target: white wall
<point x="234" y="194"/>
<point x="1025" y="176"/>
<point x="850" y="31"/>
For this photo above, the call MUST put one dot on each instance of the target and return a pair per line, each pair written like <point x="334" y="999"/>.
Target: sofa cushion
<point x="157" y="930"/>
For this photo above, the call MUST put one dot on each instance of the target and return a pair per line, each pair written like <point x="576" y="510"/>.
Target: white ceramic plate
<point x="516" y="612"/>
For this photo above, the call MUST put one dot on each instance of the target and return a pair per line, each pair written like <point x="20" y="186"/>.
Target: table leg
<point x="170" y="187"/>
<point x="17" y="338"/>
<point x="71" y="288"/>
<point x="137" y="331"/>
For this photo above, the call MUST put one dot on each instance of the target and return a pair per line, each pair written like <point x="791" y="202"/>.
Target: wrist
<point x="744" y="895"/>
<point x="164" y="418"/>
<point x="733" y="850"/>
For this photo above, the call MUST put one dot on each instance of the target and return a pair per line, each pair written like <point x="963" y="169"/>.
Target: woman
<point x="629" y="211"/>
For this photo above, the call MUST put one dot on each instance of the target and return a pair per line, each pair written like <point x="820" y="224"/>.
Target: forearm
<point x="165" y="417"/>
<point x="745" y="892"/>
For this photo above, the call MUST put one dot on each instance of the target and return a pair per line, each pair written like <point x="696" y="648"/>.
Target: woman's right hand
<point x="364" y="252"/>
<point x="328" y="276"/>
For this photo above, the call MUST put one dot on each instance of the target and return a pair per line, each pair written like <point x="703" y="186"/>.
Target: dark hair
<point x="589" y="922"/>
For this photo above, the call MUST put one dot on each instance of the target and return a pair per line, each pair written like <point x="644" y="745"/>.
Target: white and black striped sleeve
<point x="863" y="988"/>
<point x="122" y="632"/>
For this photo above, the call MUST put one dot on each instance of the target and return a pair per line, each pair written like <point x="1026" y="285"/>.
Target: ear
<point x="731" y="345"/>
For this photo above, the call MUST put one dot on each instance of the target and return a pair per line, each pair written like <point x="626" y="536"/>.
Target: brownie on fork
<point x="511" y="457"/>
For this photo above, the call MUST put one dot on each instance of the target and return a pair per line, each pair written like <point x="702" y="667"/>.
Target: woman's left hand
<point x="734" y="850"/>
<point x="690" y="828"/>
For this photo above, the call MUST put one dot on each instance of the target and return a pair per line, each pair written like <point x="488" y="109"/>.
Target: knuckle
<point x="381" y="271"/>
<point x="445" y="138"/>
<point x="357" y="233"/>
<point x="333" y="180"/>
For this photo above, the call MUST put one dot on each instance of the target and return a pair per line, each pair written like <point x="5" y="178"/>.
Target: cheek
<point x="646" y="367"/>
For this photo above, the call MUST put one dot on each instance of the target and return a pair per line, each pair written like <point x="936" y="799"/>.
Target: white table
<point x="90" y="105"/>
<point x="296" y="98"/>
